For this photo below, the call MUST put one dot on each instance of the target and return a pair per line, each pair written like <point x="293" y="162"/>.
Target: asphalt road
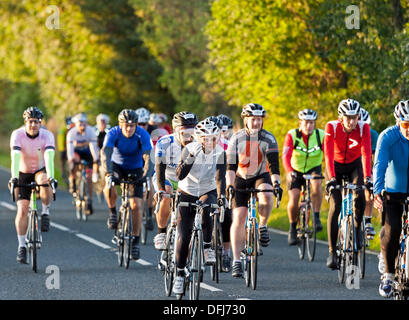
<point x="77" y="261"/>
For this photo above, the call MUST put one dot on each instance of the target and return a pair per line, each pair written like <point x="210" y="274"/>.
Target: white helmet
<point x="80" y="117"/>
<point x="402" y="111"/>
<point x="348" y="107"/>
<point x="155" y="118"/>
<point x="307" y="114"/>
<point x="364" y="116"/>
<point x="206" y="128"/>
<point x="143" y="115"/>
<point x="103" y="117"/>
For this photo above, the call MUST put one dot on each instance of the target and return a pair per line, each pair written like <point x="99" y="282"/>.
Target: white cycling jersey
<point x="202" y="176"/>
<point x="168" y="151"/>
<point x="86" y="142"/>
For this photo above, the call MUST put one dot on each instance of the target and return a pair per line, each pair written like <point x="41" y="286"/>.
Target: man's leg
<point x="136" y="204"/>
<point x="21" y="223"/>
<point x="265" y="206"/>
<point x="316" y="198"/>
<point x="293" y="212"/>
<point x="162" y="219"/>
<point x="45" y="195"/>
<point x="370" y="231"/>
<point x="111" y="202"/>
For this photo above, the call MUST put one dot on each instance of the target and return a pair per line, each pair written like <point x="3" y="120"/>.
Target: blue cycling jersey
<point x="128" y="152"/>
<point x="391" y="167"/>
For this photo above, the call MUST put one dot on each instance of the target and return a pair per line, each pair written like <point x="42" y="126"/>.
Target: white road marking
<point x="60" y="227"/>
<point x="206" y="286"/>
<point x="143" y="262"/>
<point x="8" y="205"/>
<point x="93" y="241"/>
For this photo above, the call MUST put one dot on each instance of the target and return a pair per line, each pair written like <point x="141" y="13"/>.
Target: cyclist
<point x="82" y="145"/>
<point x="391" y="175"/>
<point x="144" y="118"/>
<point x="167" y="156"/>
<point x="200" y="172"/>
<point x="101" y="129"/>
<point x="165" y="125"/>
<point x="226" y="133"/>
<point x="364" y="116"/>
<point x="127" y="150"/>
<point x="347" y="148"/>
<point x="249" y="151"/>
<point x="32" y="159"/>
<point x="302" y="154"/>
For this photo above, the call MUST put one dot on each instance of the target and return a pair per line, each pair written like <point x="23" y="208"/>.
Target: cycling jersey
<point x="168" y="152"/>
<point x="301" y="152"/>
<point x="157" y="134"/>
<point x="224" y="143"/>
<point x="249" y="155"/>
<point x="201" y="174"/>
<point x="83" y="143"/>
<point x="101" y="136"/>
<point x="343" y="147"/>
<point x="128" y="152"/>
<point x="391" y="167"/>
<point x="374" y="140"/>
<point x="32" y="149"/>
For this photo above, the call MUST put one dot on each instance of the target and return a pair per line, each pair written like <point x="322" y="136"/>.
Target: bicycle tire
<point x="169" y="268"/>
<point x="253" y="258"/>
<point x="341" y="255"/>
<point x="350" y="255"/>
<point x="195" y="267"/>
<point x="144" y="230"/>
<point x="214" y="268"/>
<point x="33" y="241"/>
<point x="301" y="233"/>
<point x="82" y="195"/>
<point x="362" y="255"/>
<point x="311" y="236"/>
<point x="247" y="264"/>
<point x="127" y="236"/>
<point x="120" y="240"/>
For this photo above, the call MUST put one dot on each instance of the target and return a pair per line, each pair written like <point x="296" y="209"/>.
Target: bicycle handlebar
<point x="32" y="185"/>
<point x="161" y="195"/>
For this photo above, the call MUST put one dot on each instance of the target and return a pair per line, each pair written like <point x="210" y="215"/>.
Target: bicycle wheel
<point x="127" y="236"/>
<point x="254" y="257"/>
<point x="341" y="253"/>
<point x="247" y="263"/>
<point x="214" y="268"/>
<point x="362" y="254"/>
<point x="311" y="235"/>
<point x="350" y="255"/>
<point x="169" y="268"/>
<point x="120" y="239"/>
<point x="33" y="240"/>
<point x="301" y="232"/>
<point x="82" y="196"/>
<point x="195" y="266"/>
<point x="144" y="230"/>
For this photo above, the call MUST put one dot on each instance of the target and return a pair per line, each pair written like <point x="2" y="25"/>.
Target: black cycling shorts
<point x="24" y="193"/>
<point x="241" y="198"/>
<point x="136" y="190"/>
<point x="85" y="155"/>
<point x="299" y="181"/>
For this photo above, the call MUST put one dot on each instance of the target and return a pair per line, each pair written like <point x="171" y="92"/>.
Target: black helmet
<point x="307" y="114"/>
<point x="128" y="116"/>
<point x="217" y="121"/>
<point x="228" y="122"/>
<point x="184" y="119"/>
<point x="253" y="110"/>
<point x="33" y="112"/>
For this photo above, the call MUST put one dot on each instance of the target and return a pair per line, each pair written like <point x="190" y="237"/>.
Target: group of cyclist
<point x="206" y="161"/>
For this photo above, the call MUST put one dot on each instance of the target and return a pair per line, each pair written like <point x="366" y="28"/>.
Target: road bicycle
<point x="217" y="242"/>
<point x="195" y="263"/>
<point x="349" y="256"/>
<point x="123" y="234"/>
<point x="306" y="225"/>
<point x="145" y="212"/>
<point x="33" y="236"/>
<point x="167" y="263"/>
<point x="80" y="196"/>
<point x="252" y="248"/>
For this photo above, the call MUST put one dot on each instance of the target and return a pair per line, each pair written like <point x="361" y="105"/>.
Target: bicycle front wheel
<point x="362" y="254"/>
<point x="247" y="262"/>
<point x="341" y="254"/>
<point x="127" y="236"/>
<point x="169" y="268"/>
<point x="311" y="235"/>
<point x="33" y="240"/>
<point x="301" y="232"/>
<point x="254" y="257"/>
<point x="144" y="230"/>
<point x="216" y="245"/>
<point x="195" y="265"/>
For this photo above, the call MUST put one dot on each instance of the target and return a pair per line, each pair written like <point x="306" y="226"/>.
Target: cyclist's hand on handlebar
<point x="158" y="195"/>
<point x="53" y="182"/>
<point x="230" y="191"/>
<point x="12" y="183"/>
<point x="277" y="190"/>
<point x="378" y="202"/>
<point x="368" y="184"/>
<point x="330" y="185"/>
<point x="222" y="202"/>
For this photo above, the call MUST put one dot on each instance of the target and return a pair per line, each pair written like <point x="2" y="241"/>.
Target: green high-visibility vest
<point x="304" y="159"/>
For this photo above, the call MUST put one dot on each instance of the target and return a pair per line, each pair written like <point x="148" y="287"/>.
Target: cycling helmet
<point x="80" y="117"/>
<point x="364" y="116"/>
<point x="164" y="117"/>
<point x="307" y="114"/>
<point x="227" y="122"/>
<point x="128" y="116"/>
<point x="206" y="128"/>
<point x="348" y="107"/>
<point x="216" y="120"/>
<point x="68" y="120"/>
<point x="143" y="115"/>
<point x="33" y="112"/>
<point x="155" y="118"/>
<point x="184" y="119"/>
<point x="402" y="111"/>
<point x="103" y="117"/>
<point x="253" y="110"/>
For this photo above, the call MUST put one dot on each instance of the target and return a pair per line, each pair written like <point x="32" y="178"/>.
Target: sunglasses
<point x="33" y="122"/>
<point x="404" y="124"/>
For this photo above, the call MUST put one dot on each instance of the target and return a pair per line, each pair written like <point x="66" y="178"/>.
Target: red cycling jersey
<point x="344" y="147"/>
